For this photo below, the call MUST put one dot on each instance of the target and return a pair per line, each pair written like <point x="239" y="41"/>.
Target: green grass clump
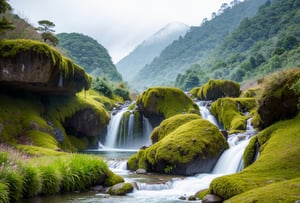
<point x="169" y="125"/>
<point x="32" y="181"/>
<point x="51" y="179"/>
<point x="278" y="161"/>
<point x="4" y="193"/>
<point x="230" y="112"/>
<point x="11" y="176"/>
<point x="166" y="101"/>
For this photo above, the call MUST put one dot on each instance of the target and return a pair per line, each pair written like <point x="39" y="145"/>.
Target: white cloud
<point x="119" y="25"/>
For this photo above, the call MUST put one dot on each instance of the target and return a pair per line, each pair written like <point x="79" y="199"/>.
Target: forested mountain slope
<point x="88" y="53"/>
<point x="260" y="45"/>
<point x="149" y="49"/>
<point x="199" y="42"/>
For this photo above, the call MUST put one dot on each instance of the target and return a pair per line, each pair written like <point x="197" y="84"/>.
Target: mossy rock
<point x="278" y="101"/>
<point x="169" y="125"/>
<point x="35" y="66"/>
<point x="215" y="89"/>
<point x="192" y="148"/>
<point x="121" y="189"/>
<point x="113" y="179"/>
<point x="230" y="112"/>
<point x="278" y="162"/>
<point x="159" y="103"/>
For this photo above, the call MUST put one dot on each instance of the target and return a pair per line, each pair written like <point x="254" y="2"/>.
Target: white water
<point x="113" y="128"/>
<point x="169" y="191"/>
<point x="205" y="113"/>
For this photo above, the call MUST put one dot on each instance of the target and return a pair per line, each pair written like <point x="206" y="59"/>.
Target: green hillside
<point x="198" y="43"/>
<point x="89" y="54"/>
<point x="260" y="45"/>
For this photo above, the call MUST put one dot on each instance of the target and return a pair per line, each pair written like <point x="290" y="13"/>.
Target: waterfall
<point x="113" y="128"/>
<point x="205" y="113"/>
<point x="128" y="130"/>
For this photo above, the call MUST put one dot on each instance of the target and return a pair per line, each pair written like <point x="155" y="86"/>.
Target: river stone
<point x="141" y="171"/>
<point x="121" y="189"/>
<point x="210" y="198"/>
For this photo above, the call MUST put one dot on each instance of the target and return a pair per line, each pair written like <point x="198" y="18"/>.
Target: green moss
<point x="196" y="138"/>
<point x="169" y="125"/>
<point x="252" y="92"/>
<point x="70" y="71"/>
<point x="285" y="191"/>
<point x="278" y="161"/>
<point x="250" y="152"/>
<point x="79" y="143"/>
<point x="166" y="101"/>
<point x="121" y="189"/>
<point x="230" y="112"/>
<point x="215" y="89"/>
<point x="42" y="139"/>
<point x="113" y="179"/>
<point x="38" y="151"/>
<point x="194" y="91"/>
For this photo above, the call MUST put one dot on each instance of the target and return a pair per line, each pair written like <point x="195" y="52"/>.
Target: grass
<point x="278" y="161"/>
<point x="23" y="176"/>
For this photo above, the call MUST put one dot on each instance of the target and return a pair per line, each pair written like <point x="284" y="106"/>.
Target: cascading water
<point x="127" y="130"/>
<point x="169" y="190"/>
<point x="205" y="113"/>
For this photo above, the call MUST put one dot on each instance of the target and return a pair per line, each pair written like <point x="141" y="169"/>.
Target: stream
<point x="151" y="187"/>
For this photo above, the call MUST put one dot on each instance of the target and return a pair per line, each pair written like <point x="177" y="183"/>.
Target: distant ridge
<point x="149" y="49"/>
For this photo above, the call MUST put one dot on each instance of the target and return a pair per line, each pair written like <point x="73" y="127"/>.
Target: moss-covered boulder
<point x="121" y="189"/>
<point x="279" y="100"/>
<point x="158" y="103"/>
<point x="215" y="89"/>
<point x="274" y="176"/>
<point x="169" y="125"/>
<point x="230" y="112"/>
<point x="193" y="147"/>
<point x="35" y="66"/>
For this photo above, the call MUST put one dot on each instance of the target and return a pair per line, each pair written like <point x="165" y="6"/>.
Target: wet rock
<point x="121" y="189"/>
<point x="212" y="199"/>
<point x="102" y="195"/>
<point x="141" y="171"/>
<point x="59" y="135"/>
<point x="192" y="198"/>
<point x="182" y="197"/>
<point x="85" y="123"/>
<point x="97" y="188"/>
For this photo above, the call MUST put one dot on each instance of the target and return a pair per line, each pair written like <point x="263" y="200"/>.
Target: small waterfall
<point x="155" y="186"/>
<point x="205" y="113"/>
<point x="128" y="130"/>
<point x="113" y="128"/>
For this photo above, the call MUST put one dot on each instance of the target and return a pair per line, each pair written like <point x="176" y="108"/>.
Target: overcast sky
<point x="119" y="25"/>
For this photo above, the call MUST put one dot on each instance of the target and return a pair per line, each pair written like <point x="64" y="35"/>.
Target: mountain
<point x="268" y="42"/>
<point x="88" y="53"/>
<point x="199" y="42"/>
<point x="149" y="49"/>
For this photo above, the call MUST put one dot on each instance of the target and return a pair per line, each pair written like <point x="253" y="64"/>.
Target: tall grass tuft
<point x="32" y="181"/>
<point x="51" y="179"/>
<point x="4" y="193"/>
<point x="11" y="176"/>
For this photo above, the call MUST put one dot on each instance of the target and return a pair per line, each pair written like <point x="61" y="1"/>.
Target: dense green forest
<point x="198" y="43"/>
<point x="260" y="45"/>
<point x="89" y="54"/>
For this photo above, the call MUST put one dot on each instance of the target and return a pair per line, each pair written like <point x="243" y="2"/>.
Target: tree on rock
<point x="4" y="23"/>
<point x="45" y="27"/>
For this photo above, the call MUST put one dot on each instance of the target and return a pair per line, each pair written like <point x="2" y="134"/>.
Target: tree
<point x="4" y="23"/>
<point x="45" y="27"/>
